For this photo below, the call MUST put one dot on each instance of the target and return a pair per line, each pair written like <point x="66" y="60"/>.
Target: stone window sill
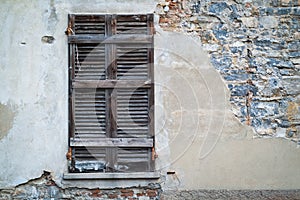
<point x="105" y="176"/>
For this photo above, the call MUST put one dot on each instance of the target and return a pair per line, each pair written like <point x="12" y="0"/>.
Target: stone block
<point x="296" y="11"/>
<point x="221" y="63"/>
<point x="266" y="11"/>
<point x="250" y="22"/>
<point x="294" y="54"/>
<point x="294" y="45"/>
<point x="263" y="109"/>
<point x="275" y="62"/>
<point x="292" y="85"/>
<point x="242" y="90"/>
<point x="236" y="77"/>
<point x="286" y="2"/>
<point x="217" y="7"/>
<point x="284" y="11"/>
<point x="221" y="34"/>
<point x="268" y="22"/>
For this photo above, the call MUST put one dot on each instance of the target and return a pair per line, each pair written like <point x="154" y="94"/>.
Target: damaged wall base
<point x="45" y="188"/>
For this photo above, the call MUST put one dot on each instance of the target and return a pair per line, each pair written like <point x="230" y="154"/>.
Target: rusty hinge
<point x="69" y="30"/>
<point x="69" y="154"/>
<point x="154" y="154"/>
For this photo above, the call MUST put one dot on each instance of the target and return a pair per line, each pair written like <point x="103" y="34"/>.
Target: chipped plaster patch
<point x="7" y="115"/>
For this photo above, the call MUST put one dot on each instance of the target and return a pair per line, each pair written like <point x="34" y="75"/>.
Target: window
<point x="111" y="93"/>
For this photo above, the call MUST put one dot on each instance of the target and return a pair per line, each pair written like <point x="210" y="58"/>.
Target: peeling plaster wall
<point x="33" y="80"/>
<point x="198" y="138"/>
<point x="254" y="45"/>
<point x="208" y="148"/>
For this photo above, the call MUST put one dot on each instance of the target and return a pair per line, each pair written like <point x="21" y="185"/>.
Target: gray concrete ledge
<point x="231" y="194"/>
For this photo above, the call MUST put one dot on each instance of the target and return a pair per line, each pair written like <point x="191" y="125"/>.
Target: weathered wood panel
<point x="111" y="92"/>
<point x="111" y="142"/>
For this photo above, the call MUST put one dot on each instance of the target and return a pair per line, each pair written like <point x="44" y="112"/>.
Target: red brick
<point x="163" y="20"/>
<point x="112" y="196"/>
<point x="96" y="193"/>
<point x="126" y="190"/>
<point x="127" y="193"/>
<point x="140" y="194"/>
<point x="151" y="193"/>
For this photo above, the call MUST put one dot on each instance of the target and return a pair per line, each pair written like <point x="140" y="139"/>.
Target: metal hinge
<point x="154" y="154"/>
<point x="69" y="30"/>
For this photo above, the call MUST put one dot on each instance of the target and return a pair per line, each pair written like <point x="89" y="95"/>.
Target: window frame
<point x="110" y="40"/>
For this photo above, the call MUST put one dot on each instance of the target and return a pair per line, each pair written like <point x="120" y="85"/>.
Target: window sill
<point x="105" y="176"/>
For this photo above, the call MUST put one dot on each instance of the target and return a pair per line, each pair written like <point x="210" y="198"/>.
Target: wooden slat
<point x="112" y="84"/>
<point x="112" y="142"/>
<point x="90" y="153"/>
<point x="133" y="159"/>
<point x="89" y="62"/>
<point x="89" y="17"/>
<point x="132" y="24"/>
<point x="132" y="64"/>
<point x="133" y="110"/>
<point x="132" y="18"/>
<point x="89" y="24"/>
<point x="115" y="39"/>
<point x="90" y="108"/>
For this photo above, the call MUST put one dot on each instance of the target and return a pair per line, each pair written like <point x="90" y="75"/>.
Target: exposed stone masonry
<point x="44" y="188"/>
<point x="255" y="46"/>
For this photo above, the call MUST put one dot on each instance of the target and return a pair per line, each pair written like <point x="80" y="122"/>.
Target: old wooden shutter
<point x="111" y="93"/>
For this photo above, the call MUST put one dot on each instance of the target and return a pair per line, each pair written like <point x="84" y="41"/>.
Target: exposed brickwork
<point x="255" y="47"/>
<point x="45" y="188"/>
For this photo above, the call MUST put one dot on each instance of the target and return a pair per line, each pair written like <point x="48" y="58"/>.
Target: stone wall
<point x="255" y="47"/>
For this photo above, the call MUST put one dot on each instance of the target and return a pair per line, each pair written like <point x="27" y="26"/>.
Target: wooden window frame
<point x="110" y="84"/>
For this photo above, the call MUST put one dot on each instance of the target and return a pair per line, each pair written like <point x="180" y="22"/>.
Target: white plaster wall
<point x="197" y="135"/>
<point x="34" y="82"/>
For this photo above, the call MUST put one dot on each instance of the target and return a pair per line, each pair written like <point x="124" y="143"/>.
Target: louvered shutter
<point x="111" y="93"/>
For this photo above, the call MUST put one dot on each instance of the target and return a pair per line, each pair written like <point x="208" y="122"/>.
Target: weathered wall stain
<point x="52" y="19"/>
<point x="7" y="115"/>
